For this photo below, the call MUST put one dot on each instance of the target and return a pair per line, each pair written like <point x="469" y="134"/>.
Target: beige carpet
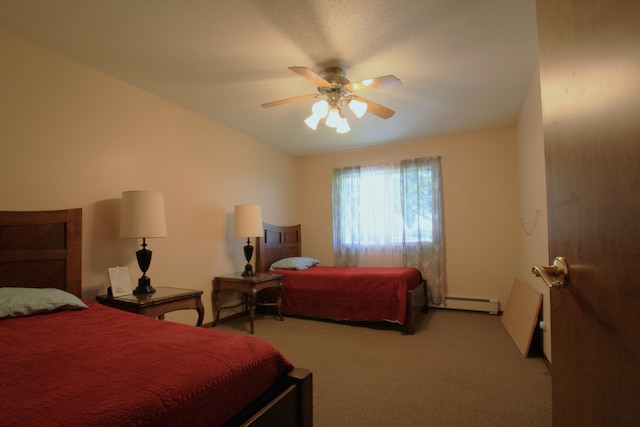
<point x="459" y="369"/>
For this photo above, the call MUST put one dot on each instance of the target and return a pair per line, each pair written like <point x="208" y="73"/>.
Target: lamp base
<point x="248" y="253"/>
<point x="144" y="261"/>
<point x="248" y="271"/>
<point x="144" y="286"/>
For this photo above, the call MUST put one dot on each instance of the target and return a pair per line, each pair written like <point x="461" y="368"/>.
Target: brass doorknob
<point x="555" y="275"/>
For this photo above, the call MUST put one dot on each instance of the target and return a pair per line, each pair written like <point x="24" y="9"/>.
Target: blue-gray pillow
<point x="17" y="302"/>
<point x="294" y="263"/>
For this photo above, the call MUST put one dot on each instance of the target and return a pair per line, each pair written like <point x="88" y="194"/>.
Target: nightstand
<point x="248" y="286"/>
<point x="164" y="300"/>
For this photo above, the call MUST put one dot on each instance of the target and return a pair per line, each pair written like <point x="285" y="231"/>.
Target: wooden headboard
<point x="42" y="249"/>
<point x="278" y="242"/>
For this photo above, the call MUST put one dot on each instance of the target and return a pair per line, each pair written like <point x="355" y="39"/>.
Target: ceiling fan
<point x="337" y="93"/>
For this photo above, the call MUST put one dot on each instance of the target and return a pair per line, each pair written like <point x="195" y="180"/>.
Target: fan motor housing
<point x="334" y="76"/>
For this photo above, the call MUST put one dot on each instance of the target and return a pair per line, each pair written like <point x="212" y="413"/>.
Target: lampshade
<point x="142" y="215"/>
<point x="358" y="107"/>
<point x="320" y="108"/>
<point x="319" y="111"/>
<point x="333" y="119"/>
<point x="248" y="221"/>
<point x="312" y="121"/>
<point x="343" y="125"/>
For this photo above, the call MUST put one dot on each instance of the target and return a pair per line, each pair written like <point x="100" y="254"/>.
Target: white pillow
<point x="16" y="302"/>
<point x="294" y="263"/>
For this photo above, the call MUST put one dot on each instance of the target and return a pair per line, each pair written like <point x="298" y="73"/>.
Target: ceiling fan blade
<point x="311" y="76"/>
<point x="374" y="108"/>
<point x="289" y="100"/>
<point x="378" y="82"/>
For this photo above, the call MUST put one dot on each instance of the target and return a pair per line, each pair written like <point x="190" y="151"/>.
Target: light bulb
<point x="333" y="119"/>
<point x="358" y="107"/>
<point x="343" y="125"/>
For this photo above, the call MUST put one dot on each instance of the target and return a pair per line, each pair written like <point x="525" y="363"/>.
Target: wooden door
<point x="590" y="81"/>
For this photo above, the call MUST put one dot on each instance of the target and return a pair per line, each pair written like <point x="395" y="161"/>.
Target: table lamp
<point x="142" y="216"/>
<point x="248" y="223"/>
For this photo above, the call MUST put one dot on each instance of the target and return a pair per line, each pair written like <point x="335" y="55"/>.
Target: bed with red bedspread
<point x="71" y="361"/>
<point x="394" y="295"/>
<point x="105" y="367"/>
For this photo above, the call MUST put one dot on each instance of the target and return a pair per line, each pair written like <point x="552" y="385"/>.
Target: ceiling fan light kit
<point x="338" y="93"/>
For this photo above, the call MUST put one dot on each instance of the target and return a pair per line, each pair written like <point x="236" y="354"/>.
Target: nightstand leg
<point x="216" y="304"/>
<point x="279" y="301"/>
<point x="200" y="310"/>
<point x="252" y="307"/>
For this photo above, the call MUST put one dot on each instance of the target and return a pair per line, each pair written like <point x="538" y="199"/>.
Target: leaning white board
<point x="520" y="316"/>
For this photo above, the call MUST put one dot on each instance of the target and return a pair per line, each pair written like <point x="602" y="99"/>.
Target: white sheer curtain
<point x="390" y="216"/>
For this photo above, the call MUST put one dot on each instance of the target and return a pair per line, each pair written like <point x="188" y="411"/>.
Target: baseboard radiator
<point x="491" y="306"/>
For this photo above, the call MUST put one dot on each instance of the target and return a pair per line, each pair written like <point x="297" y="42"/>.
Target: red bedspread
<point x="348" y="293"/>
<point x="105" y="367"/>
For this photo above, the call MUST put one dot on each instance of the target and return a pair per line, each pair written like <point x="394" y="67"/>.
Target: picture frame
<point x="120" y="281"/>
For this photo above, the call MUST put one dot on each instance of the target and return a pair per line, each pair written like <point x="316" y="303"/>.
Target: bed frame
<point x="44" y="249"/>
<point x="286" y="241"/>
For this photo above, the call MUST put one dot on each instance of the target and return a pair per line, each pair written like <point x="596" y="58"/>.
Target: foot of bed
<point x="304" y="380"/>
<point x="416" y="303"/>
<point x="292" y="407"/>
<point x="409" y="330"/>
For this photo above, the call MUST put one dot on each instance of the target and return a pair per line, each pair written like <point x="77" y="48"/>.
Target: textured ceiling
<point x="465" y="65"/>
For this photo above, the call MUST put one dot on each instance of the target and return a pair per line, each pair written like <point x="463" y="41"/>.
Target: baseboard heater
<point x="491" y="306"/>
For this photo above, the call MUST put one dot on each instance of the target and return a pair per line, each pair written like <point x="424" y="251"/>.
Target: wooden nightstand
<point x="164" y="300"/>
<point x="248" y="286"/>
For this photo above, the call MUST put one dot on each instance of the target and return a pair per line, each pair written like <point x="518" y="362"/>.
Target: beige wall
<point x="495" y="204"/>
<point x="533" y="238"/>
<point x="479" y="173"/>
<point x="73" y="137"/>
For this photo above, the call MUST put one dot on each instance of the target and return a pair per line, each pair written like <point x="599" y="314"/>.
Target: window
<point x="394" y="213"/>
<point x="390" y="215"/>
